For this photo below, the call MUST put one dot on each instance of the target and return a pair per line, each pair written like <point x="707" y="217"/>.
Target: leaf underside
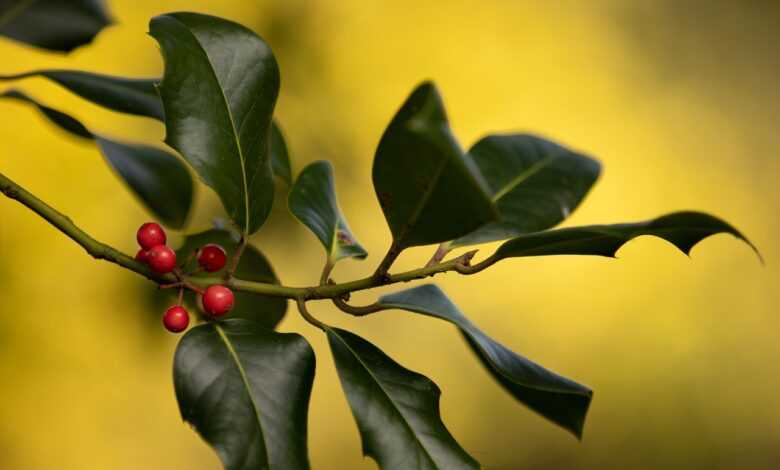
<point x="554" y="397"/>
<point x="56" y="25"/>
<point x="158" y="179"/>
<point x="246" y="391"/>
<point x="429" y="189"/>
<point x="219" y="106"/>
<point x="397" y="410"/>
<point x="312" y="200"/>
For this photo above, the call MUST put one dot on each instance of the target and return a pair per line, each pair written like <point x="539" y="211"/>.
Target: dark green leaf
<point x="280" y="159"/>
<point x="253" y="266"/>
<point x="139" y="96"/>
<point x="557" y="398"/>
<point x="397" y="410"/>
<point x="429" y="189"/>
<point x="57" y="25"/>
<point x="219" y="90"/>
<point x="534" y="182"/>
<point x="136" y="96"/>
<point x="313" y="201"/>
<point x="683" y="229"/>
<point x="246" y="391"/>
<point x="159" y="180"/>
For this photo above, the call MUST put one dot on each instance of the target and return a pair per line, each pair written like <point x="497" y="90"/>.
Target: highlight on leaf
<point x="218" y="112"/>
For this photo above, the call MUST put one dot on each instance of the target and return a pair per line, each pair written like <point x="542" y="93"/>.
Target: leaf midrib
<point x="242" y="161"/>
<point x="14" y="12"/>
<point x="389" y="398"/>
<point x="523" y="176"/>
<point x="424" y="199"/>
<point x="247" y="385"/>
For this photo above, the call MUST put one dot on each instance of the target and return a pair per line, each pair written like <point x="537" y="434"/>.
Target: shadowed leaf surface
<point x="160" y="180"/>
<point x="138" y="96"/>
<point x="397" y="410"/>
<point x="280" y="157"/>
<point x="557" y="398"/>
<point x="254" y="266"/>
<point x="56" y="25"/>
<point x="683" y="229"/>
<point x="535" y="183"/>
<point x="313" y="201"/>
<point x="429" y="189"/>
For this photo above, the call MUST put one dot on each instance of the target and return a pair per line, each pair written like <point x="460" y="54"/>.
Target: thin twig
<point x="65" y="225"/>
<point x="170" y="285"/>
<point x="301" y="302"/>
<point x="355" y="310"/>
<point x="438" y="256"/>
<point x="99" y="250"/>
<point x="380" y="274"/>
<point x="236" y="257"/>
<point x="326" y="270"/>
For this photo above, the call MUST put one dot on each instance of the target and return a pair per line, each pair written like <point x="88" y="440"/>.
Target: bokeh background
<point x="679" y="101"/>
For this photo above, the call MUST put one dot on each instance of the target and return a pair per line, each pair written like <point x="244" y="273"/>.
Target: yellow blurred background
<point x="678" y="100"/>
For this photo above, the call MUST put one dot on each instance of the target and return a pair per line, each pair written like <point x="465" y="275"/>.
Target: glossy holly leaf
<point x="683" y="229"/>
<point x="246" y="390"/>
<point x="534" y="182"/>
<point x="158" y="179"/>
<point x="254" y="266"/>
<point x="397" y="410"/>
<point x="219" y="90"/>
<point x="53" y="24"/>
<point x="313" y="201"/>
<point x="557" y="398"/>
<point x="126" y="95"/>
<point x="429" y="189"/>
<point x="138" y="96"/>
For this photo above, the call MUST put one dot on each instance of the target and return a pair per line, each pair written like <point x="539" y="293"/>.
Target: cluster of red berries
<point x="216" y="300"/>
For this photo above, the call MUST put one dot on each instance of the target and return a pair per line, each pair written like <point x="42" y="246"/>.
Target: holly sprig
<point x="246" y="387"/>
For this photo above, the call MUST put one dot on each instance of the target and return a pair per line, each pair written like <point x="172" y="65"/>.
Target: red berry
<point x="142" y="256"/>
<point x="217" y="300"/>
<point x="150" y="235"/>
<point x="162" y="259"/>
<point x="176" y="319"/>
<point x="212" y="257"/>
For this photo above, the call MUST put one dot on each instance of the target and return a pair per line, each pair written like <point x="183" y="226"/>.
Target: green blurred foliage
<point x="676" y="99"/>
